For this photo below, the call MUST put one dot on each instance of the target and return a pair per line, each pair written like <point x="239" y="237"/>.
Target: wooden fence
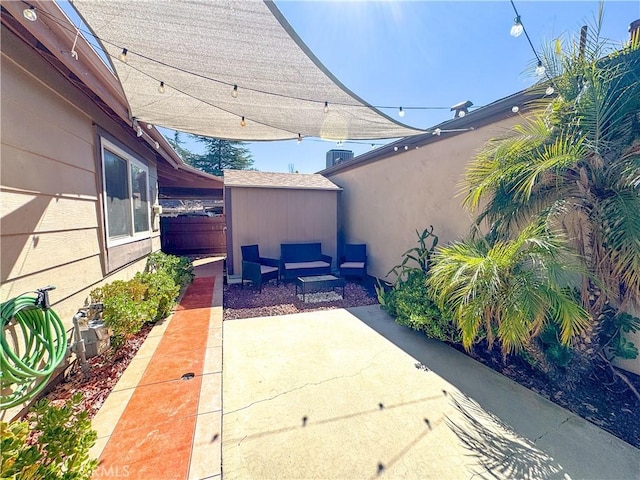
<point x="186" y="235"/>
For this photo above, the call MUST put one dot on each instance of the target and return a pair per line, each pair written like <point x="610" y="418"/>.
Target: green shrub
<point x="409" y="302"/>
<point x="125" y="307"/>
<point x="178" y="268"/>
<point x="161" y="293"/>
<point x="58" y="447"/>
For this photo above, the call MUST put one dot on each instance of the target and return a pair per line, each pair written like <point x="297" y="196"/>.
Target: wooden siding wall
<point x="51" y="228"/>
<point x="271" y="216"/>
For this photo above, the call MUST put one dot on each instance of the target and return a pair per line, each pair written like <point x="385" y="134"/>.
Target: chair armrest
<point x="271" y="262"/>
<point x="326" y="258"/>
<point x="251" y="271"/>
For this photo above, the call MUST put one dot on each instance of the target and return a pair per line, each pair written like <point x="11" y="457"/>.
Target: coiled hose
<point x="39" y="345"/>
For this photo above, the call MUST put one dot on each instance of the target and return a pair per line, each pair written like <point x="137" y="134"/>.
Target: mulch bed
<point x="281" y="299"/>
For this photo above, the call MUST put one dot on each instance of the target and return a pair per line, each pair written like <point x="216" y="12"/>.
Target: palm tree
<point x="576" y="164"/>
<point x="509" y="290"/>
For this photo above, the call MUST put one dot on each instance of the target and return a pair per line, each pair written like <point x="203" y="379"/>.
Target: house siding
<point x="271" y="216"/>
<point x="50" y="205"/>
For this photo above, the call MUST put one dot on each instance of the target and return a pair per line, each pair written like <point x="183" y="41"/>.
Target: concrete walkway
<point x="337" y="394"/>
<point x="348" y="394"/>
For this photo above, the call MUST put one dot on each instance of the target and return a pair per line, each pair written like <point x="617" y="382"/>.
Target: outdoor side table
<point x="318" y="283"/>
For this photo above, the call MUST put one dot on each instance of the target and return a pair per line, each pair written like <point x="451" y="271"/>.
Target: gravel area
<point x="247" y="302"/>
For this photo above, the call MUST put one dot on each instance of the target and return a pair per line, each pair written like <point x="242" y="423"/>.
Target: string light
<point x="515" y="109"/>
<point x="549" y="90"/>
<point x="123" y="56"/>
<point x="139" y="131"/>
<point x="406" y="147"/>
<point x="516" y="28"/>
<point x="437" y="132"/>
<point x="149" y="126"/>
<point x="540" y="69"/>
<point x="157" y="145"/>
<point x="30" y="13"/>
<point x="161" y="87"/>
<point x="395" y="149"/>
<point x="242" y="122"/>
<point x="299" y="138"/>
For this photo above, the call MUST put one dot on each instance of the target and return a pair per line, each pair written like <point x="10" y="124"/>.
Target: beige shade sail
<point x="200" y="50"/>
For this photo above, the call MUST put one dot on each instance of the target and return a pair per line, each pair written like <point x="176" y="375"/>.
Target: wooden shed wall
<point x="271" y="216"/>
<point x="51" y="226"/>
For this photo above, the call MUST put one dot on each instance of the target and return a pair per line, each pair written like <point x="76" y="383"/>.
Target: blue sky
<point x="426" y="54"/>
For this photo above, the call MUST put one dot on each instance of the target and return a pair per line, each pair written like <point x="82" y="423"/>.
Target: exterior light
<point x="540" y="69"/>
<point x="123" y="55"/>
<point x="30" y="13"/>
<point x="515" y="109"/>
<point x="516" y="28"/>
<point x="234" y="92"/>
<point x="461" y="108"/>
<point x="242" y="122"/>
<point x="326" y="107"/>
<point x="299" y="138"/>
<point x="400" y="112"/>
<point x="161" y="87"/>
<point x="549" y="90"/>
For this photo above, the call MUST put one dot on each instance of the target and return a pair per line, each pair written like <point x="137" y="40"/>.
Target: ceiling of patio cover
<point x="201" y="49"/>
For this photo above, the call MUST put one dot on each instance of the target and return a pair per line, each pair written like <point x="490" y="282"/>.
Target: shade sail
<point x="201" y="49"/>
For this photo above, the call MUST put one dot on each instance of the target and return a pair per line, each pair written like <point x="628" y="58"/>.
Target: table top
<point x="318" y="278"/>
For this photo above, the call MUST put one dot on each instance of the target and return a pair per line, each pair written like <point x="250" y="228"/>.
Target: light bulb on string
<point x="326" y="107"/>
<point x="516" y="28"/>
<point x="161" y="87"/>
<point x="406" y="147"/>
<point x="123" y="55"/>
<point x="149" y="126"/>
<point x="395" y="149"/>
<point x="234" y="92"/>
<point x="549" y="90"/>
<point x="157" y="145"/>
<point x="242" y="122"/>
<point x="373" y="145"/>
<point x="461" y="113"/>
<point x="400" y="112"/>
<point x="540" y="69"/>
<point x="437" y="132"/>
<point x="139" y="131"/>
<point x="515" y="109"/>
<point x="299" y="138"/>
<point x="30" y="13"/>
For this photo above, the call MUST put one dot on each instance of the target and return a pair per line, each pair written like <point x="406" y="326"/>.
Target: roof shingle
<point x="251" y="178"/>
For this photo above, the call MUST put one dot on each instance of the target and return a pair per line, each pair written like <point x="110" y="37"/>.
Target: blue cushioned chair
<point x="257" y="269"/>
<point x="353" y="262"/>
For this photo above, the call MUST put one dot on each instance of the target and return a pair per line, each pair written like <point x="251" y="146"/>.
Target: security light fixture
<point x="461" y="108"/>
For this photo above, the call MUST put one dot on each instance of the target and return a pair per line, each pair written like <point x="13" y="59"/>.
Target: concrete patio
<point x="341" y="394"/>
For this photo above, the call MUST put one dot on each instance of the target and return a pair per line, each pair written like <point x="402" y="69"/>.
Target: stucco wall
<point x="271" y="216"/>
<point x="51" y="225"/>
<point x="385" y="202"/>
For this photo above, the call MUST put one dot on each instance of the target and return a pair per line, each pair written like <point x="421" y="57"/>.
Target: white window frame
<point x="131" y="160"/>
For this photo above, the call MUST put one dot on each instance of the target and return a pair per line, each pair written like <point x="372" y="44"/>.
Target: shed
<point x="272" y="208"/>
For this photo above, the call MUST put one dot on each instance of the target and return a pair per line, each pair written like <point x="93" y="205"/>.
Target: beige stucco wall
<point x="385" y="202"/>
<point x="50" y="223"/>
<point x="271" y="216"/>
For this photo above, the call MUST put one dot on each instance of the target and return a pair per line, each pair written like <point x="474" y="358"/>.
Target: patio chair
<point x="258" y="269"/>
<point x="354" y="261"/>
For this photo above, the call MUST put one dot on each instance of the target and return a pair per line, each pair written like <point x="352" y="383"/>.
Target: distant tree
<point x="219" y="154"/>
<point x="177" y="143"/>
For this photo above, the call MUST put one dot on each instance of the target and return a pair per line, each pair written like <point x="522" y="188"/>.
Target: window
<point x="126" y="195"/>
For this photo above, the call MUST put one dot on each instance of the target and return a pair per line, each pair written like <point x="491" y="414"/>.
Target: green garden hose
<point x="39" y="345"/>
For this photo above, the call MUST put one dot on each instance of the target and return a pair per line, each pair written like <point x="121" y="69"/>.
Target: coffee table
<point x="318" y="283"/>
